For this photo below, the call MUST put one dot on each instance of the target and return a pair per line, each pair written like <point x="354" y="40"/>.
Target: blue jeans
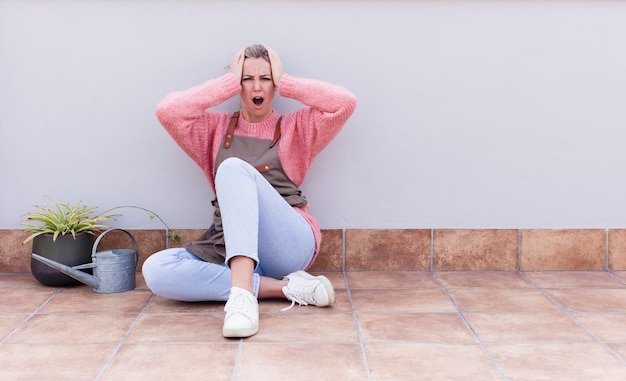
<point x="258" y="223"/>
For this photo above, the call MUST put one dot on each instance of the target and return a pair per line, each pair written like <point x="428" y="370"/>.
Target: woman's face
<point x="257" y="91"/>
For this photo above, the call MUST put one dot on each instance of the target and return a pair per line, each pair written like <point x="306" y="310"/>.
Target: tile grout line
<point x="580" y="324"/>
<point x="354" y="315"/>
<point x="30" y="316"/>
<point x="123" y="339"/>
<point x="237" y="359"/>
<point x="357" y="327"/>
<point x="616" y="277"/>
<point x="469" y="326"/>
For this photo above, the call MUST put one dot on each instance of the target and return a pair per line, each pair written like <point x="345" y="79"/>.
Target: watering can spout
<point x="74" y="272"/>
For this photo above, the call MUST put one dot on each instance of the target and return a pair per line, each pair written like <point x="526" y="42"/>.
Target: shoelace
<point x="237" y="304"/>
<point x="303" y="299"/>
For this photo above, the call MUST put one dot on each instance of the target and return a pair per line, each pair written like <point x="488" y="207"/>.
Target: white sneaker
<point x="242" y="314"/>
<point x="304" y="289"/>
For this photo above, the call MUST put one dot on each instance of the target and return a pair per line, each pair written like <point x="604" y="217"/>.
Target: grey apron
<point x="261" y="154"/>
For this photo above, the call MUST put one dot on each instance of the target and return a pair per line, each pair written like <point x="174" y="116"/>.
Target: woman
<point x="262" y="235"/>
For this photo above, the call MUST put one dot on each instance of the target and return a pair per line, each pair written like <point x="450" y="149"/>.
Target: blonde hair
<point x="257" y="51"/>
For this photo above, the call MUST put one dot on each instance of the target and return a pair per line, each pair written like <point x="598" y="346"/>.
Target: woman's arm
<point x="328" y="109"/>
<point x="329" y="106"/>
<point x="184" y="115"/>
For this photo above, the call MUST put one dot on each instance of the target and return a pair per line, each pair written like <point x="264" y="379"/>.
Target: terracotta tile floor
<point x="385" y="326"/>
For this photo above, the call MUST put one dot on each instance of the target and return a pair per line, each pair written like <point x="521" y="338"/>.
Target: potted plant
<point x="66" y="234"/>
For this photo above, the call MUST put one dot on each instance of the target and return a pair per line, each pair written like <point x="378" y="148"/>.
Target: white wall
<point x="471" y="114"/>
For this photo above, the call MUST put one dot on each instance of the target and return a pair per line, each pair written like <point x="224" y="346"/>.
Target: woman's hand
<point x="236" y="66"/>
<point x="276" y="65"/>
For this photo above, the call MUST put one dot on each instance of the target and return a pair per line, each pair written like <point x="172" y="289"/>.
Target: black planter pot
<point x="66" y="250"/>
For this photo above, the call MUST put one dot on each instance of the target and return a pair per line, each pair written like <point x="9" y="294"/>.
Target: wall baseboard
<point x="406" y="249"/>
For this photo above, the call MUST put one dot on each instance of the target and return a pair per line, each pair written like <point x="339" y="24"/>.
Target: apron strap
<point x="262" y="168"/>
<point x="276" y="132"/>
<point x="228" y="139"/>
<point x="231" y="130"/>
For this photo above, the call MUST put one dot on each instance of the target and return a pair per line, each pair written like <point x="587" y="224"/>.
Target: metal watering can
<point x="114" y="270"/>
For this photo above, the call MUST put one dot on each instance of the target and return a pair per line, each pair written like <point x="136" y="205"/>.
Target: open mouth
<point x="257" y="101"/>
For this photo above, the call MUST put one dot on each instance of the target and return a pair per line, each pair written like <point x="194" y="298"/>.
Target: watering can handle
<point x="95" y="245"/>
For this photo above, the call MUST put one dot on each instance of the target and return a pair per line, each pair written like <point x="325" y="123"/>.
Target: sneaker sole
<point x="330" y="290"/>
<point x="240" y="333"/>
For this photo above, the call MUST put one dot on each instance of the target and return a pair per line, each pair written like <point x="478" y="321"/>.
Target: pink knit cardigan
<point x="186" y="115"/>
